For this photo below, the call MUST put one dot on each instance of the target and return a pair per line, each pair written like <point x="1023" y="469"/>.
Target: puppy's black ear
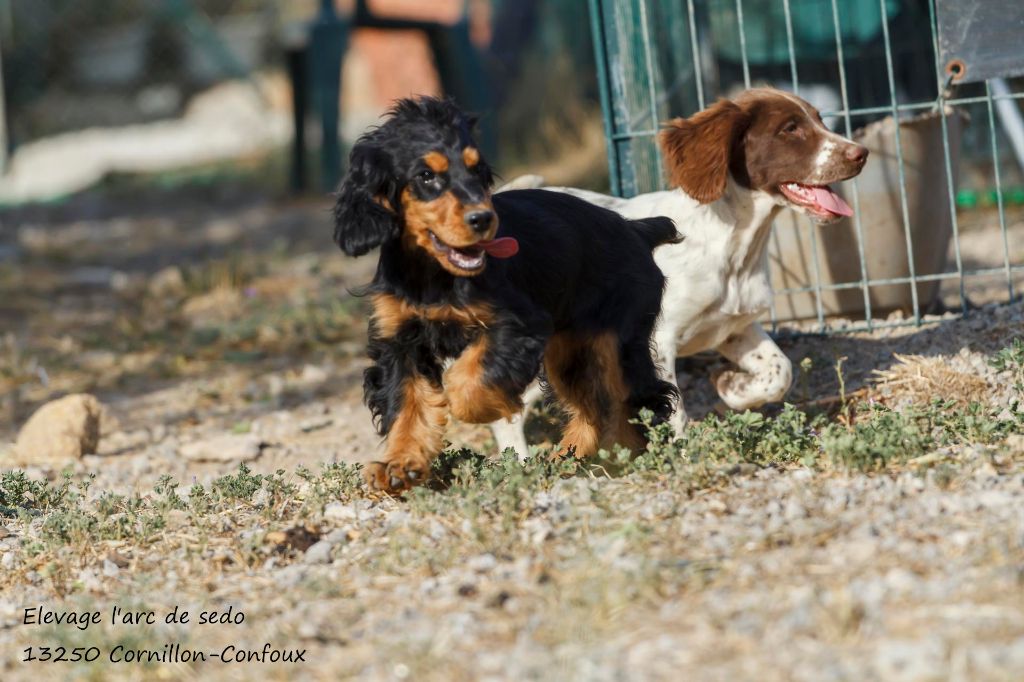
<point x="364" y="214"/>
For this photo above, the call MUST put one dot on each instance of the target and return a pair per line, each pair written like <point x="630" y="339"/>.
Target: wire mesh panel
<point x="938" y="210"/>
<point x="650" y="73"/>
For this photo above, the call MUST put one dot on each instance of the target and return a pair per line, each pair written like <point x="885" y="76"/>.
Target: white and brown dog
<point x="735" y="165"/>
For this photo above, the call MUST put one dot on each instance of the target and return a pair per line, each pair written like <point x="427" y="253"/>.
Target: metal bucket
<point x="791" y="252"/>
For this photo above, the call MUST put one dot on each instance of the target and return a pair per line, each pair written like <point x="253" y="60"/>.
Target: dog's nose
<point x="480" y="221"/>
<point x="857" y="153"/>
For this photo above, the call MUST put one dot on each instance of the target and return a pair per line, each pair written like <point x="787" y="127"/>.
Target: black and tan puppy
<point x="496" y="287"/>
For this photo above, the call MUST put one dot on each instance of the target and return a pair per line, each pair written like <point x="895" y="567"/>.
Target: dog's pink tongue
<point x="502" y="247"/>
<point x="831" y="201"/>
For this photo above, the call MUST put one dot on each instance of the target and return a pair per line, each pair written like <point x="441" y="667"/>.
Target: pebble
<point x="223" y="448"/>
<point x="167" y="283"/>
<point x="911" y="661"/>
<point x="289" y="576"/>
<point x="319" y="552"/>
<point x="482" y="563"/>
<point x="336" y="511"/>
<point x="794" y="510"/>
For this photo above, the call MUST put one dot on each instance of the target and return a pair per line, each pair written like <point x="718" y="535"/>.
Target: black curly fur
<point x="581" y="269"/>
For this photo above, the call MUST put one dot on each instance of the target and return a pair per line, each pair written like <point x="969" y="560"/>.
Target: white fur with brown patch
<point x="717" y="281"/>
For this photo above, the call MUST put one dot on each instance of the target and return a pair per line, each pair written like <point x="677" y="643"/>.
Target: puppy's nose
<point x="480" y="221"/>
<point x="857" y="153"/>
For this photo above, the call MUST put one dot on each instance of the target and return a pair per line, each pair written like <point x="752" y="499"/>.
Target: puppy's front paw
<point x="395" y="477"/>
<point x="733" y="386"/>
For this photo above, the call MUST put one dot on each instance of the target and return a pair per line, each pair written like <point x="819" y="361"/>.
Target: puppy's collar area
<point x="472" y="257"/>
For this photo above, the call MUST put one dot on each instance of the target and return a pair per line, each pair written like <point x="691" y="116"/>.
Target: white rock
<point x="60" y="432"/>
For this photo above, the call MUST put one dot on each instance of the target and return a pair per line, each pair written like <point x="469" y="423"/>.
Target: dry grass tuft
<point x="920" y="379"/>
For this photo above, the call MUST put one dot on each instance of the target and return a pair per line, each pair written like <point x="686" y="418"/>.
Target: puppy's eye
<point x="426" y="175"/>
<point x="790" y="127"/>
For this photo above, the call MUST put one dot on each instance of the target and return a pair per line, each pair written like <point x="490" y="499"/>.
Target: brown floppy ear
<point x="697" y="150"/>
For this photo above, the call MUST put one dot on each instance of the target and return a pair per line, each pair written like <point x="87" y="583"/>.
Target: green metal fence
<point x="867" y="59"/>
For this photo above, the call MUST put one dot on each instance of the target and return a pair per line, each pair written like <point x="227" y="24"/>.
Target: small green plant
<point x="336" y="481"/>
<point x="806" y="365"/>
<point x="751" y="437"/>
<point x="1011" y="359"/>
<point x="20" y="493"/>
<point x="841" y="378"/>
<point x="241" y="487"/>
<point x="885" y="437"/>
<point x="166" y="490"/>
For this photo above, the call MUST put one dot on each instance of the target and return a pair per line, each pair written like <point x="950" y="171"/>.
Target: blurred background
<point x="99" y="88"/>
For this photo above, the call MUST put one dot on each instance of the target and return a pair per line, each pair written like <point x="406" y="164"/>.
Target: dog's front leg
<point x="487" y="381"/>
<point x="403" y="391"/>
<point x="766" y="373"/>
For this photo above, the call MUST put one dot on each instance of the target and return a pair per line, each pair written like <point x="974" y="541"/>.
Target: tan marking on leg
<point x="564" y="358"/>
<point x="471" y="399"/>
<point x="613" y="383"/>
<point x="415" y="438"/>
<point x="586" y="375"/>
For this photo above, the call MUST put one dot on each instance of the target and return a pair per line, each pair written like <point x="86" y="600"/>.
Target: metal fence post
<point x="601" y="58"/>
<point x="327" y="47"/>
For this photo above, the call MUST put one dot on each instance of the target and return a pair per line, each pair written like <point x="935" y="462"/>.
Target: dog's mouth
<point x="820" y="201"/>
<point x="471" y="258"/>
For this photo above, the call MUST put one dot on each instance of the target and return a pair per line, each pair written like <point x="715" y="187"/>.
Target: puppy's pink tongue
<point x="502" y="247"/>
<point x="831" y="201"/>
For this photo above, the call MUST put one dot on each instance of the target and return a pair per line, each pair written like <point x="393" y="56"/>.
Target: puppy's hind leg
<point x="574" y="373"/>
<point x="510" y="433"/>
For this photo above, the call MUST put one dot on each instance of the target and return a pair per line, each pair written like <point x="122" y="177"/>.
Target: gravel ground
<point x="237" y="340"/>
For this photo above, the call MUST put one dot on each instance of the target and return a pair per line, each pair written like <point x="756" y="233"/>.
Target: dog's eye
<point x="426" y="175"/>
<point x="790" y="127"/>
